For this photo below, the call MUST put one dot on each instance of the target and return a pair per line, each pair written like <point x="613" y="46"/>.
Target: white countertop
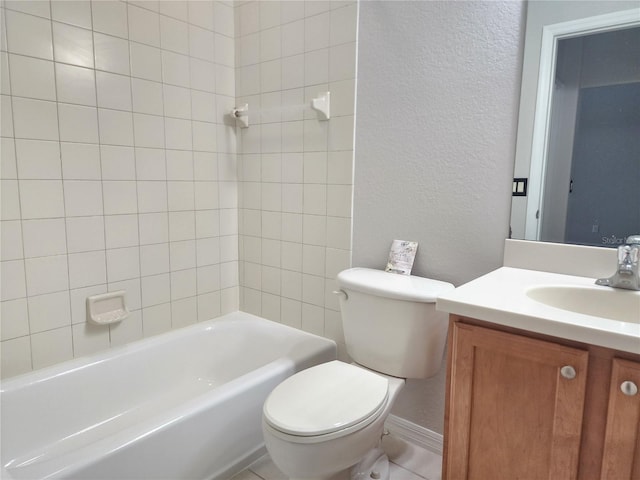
<point x="499" y="297"/>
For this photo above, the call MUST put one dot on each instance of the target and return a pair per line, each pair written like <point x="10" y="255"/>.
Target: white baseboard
<point x="416" y="434"/>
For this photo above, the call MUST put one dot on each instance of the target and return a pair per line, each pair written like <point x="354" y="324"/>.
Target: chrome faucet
<point x="628" y="273"/>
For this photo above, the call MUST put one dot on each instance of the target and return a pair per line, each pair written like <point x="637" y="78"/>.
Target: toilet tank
<point x="390" y="321"/>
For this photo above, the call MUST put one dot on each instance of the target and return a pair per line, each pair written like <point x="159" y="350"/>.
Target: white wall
<point x="117" y="171"/>
<point x="437" y="102"/>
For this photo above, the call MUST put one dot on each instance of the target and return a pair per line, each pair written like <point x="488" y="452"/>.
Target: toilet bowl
<point x="315" y="434"/>
<point x="326" y="422"/>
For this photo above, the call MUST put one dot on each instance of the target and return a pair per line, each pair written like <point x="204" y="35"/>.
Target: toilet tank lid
<point x="392" y="285"/>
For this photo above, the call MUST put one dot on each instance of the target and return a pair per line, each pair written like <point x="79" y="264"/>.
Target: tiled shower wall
<point x="118" y="171"/>
<point x="295" y="170"/>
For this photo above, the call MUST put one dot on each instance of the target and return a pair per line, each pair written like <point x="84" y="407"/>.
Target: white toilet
<point x="326" y="422"/>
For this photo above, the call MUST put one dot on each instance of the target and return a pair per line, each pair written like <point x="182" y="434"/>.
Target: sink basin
<point x="614" y="304"/>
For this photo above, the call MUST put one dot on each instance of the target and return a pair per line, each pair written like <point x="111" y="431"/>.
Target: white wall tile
<point x="123" y="264"/>
<point x="207" y="223"/>
<point x="203" y="106"/>
<point x="184" y="312"/>
<point x="51" y="347"/>
<point x="75" y="84"/>
<point x="120" y="197"/>
<point x="14" y="319"/>
<point x="149" y="131"/>
<point x="147" y="96"/>
<point x="201" y="44"/>
<point x="78" y="123"/>
<point x="46" y="274"/>
<point x="174" y="35"/>
<point x="209" y="306"/>
<point x="116" y="127"/>
<point x="87" y="269"/>
<point x="150" y="164"/>
<point x="182" y="255"/>
<point x="38" y="160"/>
<point x="152" y="197"/>
<point x="41" y="199"/>
<point x="89" y="338"/>
<point x="114" y="91"/>
<point x="16" y="356"/>
<point x="6" y="125"/>
<point x="175" y="69"/>
<point x="72" y="45"/>
<point x="121" y="231"/>
<point x="118" y="163"/>
<point x="13" y="280"/>
<point x="211" y="78"/>
<point x="111" y="53"/>
<point x="85" y="234"/>
<point x="10" y="204"/>
<point x="47" y="312"/>
<point x="11" y="246"/>
<point x="53" y="230"/>
<point x="36" y="7"/>
<point x="154" y="228"/>
<point x="180" y="196"/>
<point x="109" y="17"/>
<point x="156" y="290"/>
<point x="127" y="331"/>
<point x="202" y="14"/>
<point x="177" y="102"/>
<point x="178" y="134"/>
<point x="176" y="9"/>
<point x="83" y="198"/>
<point x="74" y="12"/>
<point x="154" y="259"/>
<point x="35" y="119"/>
<point x="156" y="319"/>
<point x="144" y="26"/>
<point x="8" y="168"/>
<point x="32" y="77"/>
<point x="207" y="251"/>
<point x="29" y="35"/>
<point x="146" y="62"/>
<point x="183" y="284"/>
<point x="181" y="226"/>
<point x="80" y="161"/>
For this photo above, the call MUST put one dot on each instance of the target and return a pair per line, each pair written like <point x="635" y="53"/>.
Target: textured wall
<point x="437" y="102"/>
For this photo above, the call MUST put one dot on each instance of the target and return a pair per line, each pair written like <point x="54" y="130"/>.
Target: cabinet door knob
<point x="629" y="388"/>
<point x="568" y="372"/>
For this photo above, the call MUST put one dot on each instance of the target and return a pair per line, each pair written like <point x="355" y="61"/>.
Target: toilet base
<point x="374" y="465"/>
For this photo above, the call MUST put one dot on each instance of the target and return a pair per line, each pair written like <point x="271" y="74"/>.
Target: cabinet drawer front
<point x="621" y="456"/>
<point x="514" y="411"/>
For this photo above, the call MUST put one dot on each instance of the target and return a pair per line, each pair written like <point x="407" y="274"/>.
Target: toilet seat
<point x="328" y="400"/>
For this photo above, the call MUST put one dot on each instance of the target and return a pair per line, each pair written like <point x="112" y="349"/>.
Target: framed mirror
<point x="578" y="146"/>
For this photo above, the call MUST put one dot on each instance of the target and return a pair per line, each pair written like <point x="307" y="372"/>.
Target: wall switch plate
<point x="520" y="187"/>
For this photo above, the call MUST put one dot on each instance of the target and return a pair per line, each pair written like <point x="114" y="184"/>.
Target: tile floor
<point x="408" y="462"/>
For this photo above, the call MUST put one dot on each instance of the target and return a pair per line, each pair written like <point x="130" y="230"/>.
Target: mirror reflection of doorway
<point x="592" y="185"/>
<point x="606" y="152"/>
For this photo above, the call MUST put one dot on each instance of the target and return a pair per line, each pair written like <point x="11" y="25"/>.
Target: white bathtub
<point x="183" y="405"/>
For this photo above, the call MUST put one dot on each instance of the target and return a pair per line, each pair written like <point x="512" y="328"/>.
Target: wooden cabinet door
<point x="621" y="456"/>
<point x="511" y="414"/>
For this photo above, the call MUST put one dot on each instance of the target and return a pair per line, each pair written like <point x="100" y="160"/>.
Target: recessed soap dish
<point x="106" y="308"/>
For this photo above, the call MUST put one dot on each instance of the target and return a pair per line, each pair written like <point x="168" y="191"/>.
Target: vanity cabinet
<point x="525" y="406"/>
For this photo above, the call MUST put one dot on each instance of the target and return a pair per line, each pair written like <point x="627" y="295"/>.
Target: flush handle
<point x="568" y="372"/>
<point x="341" y="293"/>
<point x="629" y="388"/>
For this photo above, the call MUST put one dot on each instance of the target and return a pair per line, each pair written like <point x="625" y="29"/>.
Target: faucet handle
<point x="633" y="240"/>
